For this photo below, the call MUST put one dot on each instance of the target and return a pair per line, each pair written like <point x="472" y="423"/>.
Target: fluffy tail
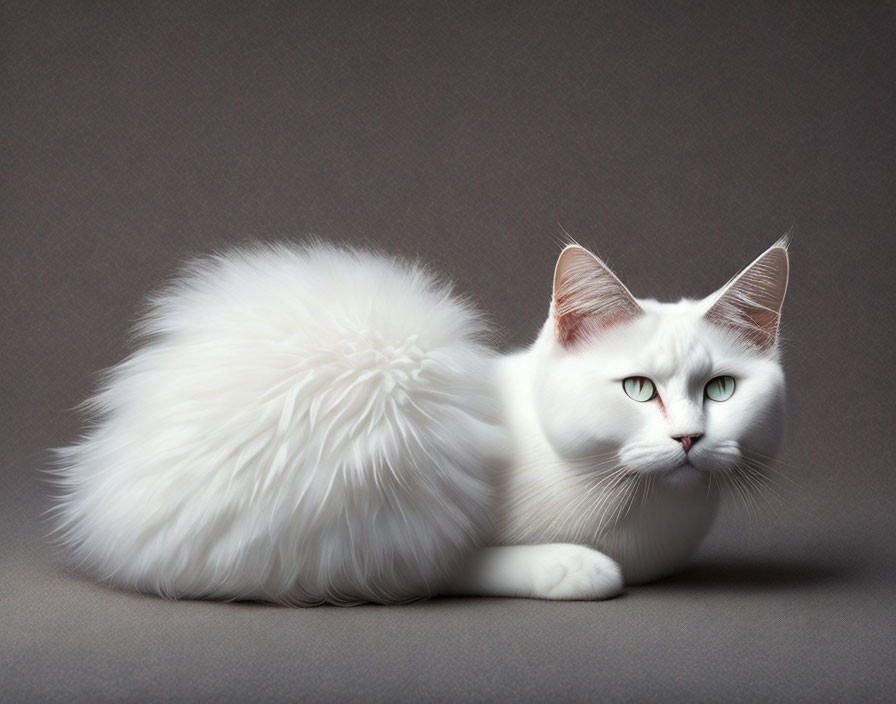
<point x="299" y="424"/>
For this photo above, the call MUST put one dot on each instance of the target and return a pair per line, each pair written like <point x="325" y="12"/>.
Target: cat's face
<point x="678" y="390"/>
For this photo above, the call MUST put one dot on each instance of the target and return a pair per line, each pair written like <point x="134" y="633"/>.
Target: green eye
<point x="721" y="388"/>
<point x="639" y="388"/>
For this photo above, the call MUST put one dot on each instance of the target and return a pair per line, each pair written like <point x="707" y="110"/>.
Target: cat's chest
<point x="660" y="531"/>
<point x="650" y="528"/>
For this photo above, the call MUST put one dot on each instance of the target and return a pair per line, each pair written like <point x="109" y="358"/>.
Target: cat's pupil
<point x="720" y="389"/>
<point x="639" y="388"/>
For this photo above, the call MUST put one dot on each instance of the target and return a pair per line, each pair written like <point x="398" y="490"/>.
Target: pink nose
<point x="687" y="441"/>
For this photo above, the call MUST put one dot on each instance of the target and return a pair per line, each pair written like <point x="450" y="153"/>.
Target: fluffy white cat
<point x="307" y="424"/>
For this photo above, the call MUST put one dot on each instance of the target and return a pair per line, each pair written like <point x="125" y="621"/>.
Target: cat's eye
<point x="720" y="389"/>
<point x="639" y="388"/>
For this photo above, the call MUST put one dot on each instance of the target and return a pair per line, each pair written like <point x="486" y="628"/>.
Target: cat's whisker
<point x="603" y="487"/>
<point x="623" y="508"/>
<point x="746" y="498"/>
<point x="768" y="466"/>
<point x="763" y="489"/>
<point x="614" y="492"/>
<point x="771" y="458"/>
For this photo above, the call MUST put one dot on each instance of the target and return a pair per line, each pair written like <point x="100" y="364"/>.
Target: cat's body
<point x="306" y="424"/>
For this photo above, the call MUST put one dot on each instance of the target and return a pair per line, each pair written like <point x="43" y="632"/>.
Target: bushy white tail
<point x="301" y="424"/>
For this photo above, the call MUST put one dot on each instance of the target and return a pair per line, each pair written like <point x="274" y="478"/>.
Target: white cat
<point x="307" y="424"/>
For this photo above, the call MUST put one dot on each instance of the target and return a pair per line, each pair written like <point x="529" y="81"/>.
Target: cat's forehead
<point x="677" y="348"/>
<point x="672" y="340"/>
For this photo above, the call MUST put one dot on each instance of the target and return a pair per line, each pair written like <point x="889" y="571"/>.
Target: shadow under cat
<point x="757" y="573"/>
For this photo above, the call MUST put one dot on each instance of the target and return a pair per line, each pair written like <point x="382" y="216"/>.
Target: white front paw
<point x="575" y="573"/>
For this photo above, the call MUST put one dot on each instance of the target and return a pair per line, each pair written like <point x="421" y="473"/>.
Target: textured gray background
<point x="677" y="139"/>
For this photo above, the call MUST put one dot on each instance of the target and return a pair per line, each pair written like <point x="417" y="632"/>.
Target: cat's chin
<point x="685" y="474"/>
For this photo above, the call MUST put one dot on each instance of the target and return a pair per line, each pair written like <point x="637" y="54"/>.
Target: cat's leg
<point x="550" y="571"/>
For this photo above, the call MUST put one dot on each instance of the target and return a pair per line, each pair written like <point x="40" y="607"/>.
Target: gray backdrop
<point x="678" y="140"/>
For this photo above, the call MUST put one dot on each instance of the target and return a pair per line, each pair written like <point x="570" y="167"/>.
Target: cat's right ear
<point x="588" y="297"/>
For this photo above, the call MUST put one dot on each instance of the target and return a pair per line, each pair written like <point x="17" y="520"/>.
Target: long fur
<point x="300" y="424"/>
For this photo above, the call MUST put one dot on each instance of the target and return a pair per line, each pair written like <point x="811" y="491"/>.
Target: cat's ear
<point x="751" y="302"/>
<point x="587" y="297"/>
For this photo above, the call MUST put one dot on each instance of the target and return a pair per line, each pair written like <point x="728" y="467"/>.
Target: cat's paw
<point x="575" y="573"/>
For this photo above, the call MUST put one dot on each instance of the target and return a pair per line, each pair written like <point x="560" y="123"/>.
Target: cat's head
<point x="680" y="390"/>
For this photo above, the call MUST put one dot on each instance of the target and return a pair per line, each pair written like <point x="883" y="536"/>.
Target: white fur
<point x="309" y="424"/>
<point x="304" y="424"/>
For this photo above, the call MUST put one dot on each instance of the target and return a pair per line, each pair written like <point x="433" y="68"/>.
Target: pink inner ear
<point x="751" y="304"/>
<point x="568" y="328"/>
<point x="574" y="327"/>
<point x="588" y="297"/>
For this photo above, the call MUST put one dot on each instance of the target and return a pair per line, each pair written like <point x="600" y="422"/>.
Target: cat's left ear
<point x="751" y="302"/>
<point x="587" y="297"/>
